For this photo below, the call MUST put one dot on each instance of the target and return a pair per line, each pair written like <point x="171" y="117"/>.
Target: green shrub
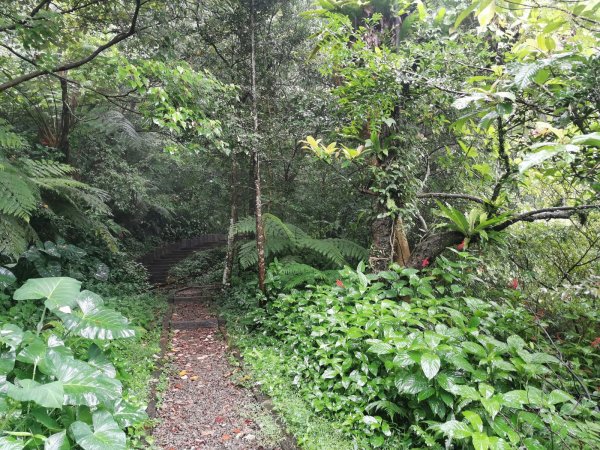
<point x="57" y="385"/>
<point x="421" y="357"/>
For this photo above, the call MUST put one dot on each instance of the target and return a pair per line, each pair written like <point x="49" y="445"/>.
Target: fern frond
<point x="247" y="225"/>
<point x="8" y="138"/>
<point x="45" y="168"/>
<point x="18" y="197"/>
<point x="247" y="254"/>
<point x="350" y="250"/>
<point x="325" y="248"/>
<point x="15" y="236"/>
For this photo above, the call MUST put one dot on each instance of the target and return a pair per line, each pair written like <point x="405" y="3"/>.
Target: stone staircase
<point x="160" y="260"/>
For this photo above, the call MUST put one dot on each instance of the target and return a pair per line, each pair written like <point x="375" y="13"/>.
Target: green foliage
<point x="441" y="364"/>
<point x="56" y="384"/>
<point x="204" y="267"/>
<point x="285" y="239"/>
<point x="476" y="223"/>
<point x="30" y="187"/>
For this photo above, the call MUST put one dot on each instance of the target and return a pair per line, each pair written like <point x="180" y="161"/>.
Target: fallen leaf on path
<point x="182" y="373"/>
<point x="226" y="437"/>
<point x="219" y="419"/>
<point x="194" y="378"/>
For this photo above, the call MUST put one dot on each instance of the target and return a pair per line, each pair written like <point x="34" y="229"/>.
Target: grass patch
<point x="135" y="359"/>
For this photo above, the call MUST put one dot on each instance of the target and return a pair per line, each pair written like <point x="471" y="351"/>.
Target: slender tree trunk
<point x="65" y="121"/>
<point x="401" y="247"/>
<point x="260" y="232"/>
<point x="230" y="256"/>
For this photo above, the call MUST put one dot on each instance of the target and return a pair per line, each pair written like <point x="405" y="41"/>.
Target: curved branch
<point x="74" y="64"/>
<point x="559" y="212"/>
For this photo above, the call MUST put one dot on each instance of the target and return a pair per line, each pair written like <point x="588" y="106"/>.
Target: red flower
<point x="460" y="247"/>
<point x="425" y="262"/>
<point x="339" y="283"/>
<point x="514" y="283"/>
<point x="596" y="342"/>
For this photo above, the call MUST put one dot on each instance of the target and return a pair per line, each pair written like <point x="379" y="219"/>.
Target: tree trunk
<point x="260" y="232"/>
<point x="230" y="256"/>
<point x="65" y="121"/>
<point x="382" y="237"/>
<point x="432" y="246"/>
<point x="401" y="247"/>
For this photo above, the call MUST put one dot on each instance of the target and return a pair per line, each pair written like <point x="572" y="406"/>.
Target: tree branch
<point x="74" y="64"/>
<point x="560" y="212"/>
<point x="471" y="198"/>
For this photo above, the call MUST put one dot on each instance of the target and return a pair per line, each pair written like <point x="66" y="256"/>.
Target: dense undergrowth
<point x="204" y="267"/>
<point x="439" y="359"/>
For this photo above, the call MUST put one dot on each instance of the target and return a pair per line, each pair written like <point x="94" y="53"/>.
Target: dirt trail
<point x="204" y="407"/>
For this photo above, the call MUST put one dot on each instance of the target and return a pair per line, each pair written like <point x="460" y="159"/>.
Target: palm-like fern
<point x="287" y="239"/>
<point x="27" y="185"/>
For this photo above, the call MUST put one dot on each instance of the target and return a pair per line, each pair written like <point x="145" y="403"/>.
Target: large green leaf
<point x="48" y="395"/>
<point x="97" y="359"/>
<point x="592" y="139"/>
<point x="34" y="353"/>
<point x="83" y="384"/>
<point x="9" y="443"/>
<point x="11" y="335"/>
<point x="126" y="414"/>
<point x="546" y="151"/>
<point x="430" y="363"/>
<point x="94" y="321"/>
<point x="58" y="441"/>
<point x="106" y="433"/>
<point x="7" y="362"/>
<point x="6" y="277"/>
<point x="60" y="292"/>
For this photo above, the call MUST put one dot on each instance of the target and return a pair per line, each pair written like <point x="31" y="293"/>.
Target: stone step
<point x="194" y="324"/>
<point x="203" y="299"/>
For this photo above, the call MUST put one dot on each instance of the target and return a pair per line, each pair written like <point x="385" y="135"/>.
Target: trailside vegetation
<point x="410" y="192"/>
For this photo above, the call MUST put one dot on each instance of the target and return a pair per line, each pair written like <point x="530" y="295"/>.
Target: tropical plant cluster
<point x="59" y="387"/>
<point x="404" y="359"/>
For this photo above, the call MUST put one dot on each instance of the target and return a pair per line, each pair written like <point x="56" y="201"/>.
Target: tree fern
<point x="27" y="185"/>
<point x="284" y="239"/>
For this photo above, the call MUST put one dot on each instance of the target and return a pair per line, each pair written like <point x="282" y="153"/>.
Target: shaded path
<point x="204" y="407"/>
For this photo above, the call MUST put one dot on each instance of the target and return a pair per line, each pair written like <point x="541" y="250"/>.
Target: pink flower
<point x="425" y="262"/>
<point x="339" y="283"/>
<point x="596" y="342"/>
<point x="460" y="247"/>
<point x="514" y="284"/>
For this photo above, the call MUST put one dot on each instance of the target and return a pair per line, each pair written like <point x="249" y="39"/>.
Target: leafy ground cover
<point x="79" y="377"/>
<point x="409" y="360"/>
